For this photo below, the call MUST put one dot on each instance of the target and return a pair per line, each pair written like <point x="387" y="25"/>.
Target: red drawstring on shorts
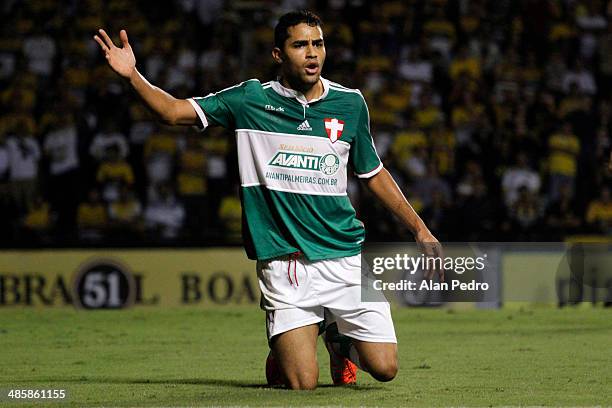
<point x="293" y="258"/>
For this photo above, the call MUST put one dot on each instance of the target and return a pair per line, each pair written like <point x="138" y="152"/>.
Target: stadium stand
<point x="494" y="116"/>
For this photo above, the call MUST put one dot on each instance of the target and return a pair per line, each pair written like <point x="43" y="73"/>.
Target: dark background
<point x="493" y="116"/>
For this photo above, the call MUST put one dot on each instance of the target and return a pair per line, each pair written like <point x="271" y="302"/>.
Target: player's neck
<point x="310" y="92"/>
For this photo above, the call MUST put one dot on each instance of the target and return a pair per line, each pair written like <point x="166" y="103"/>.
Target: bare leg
<point x="296" y="352"/>
<point x="378" y="359"/>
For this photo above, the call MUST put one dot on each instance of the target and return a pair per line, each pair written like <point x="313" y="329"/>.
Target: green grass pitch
<point x="205" y="357"/>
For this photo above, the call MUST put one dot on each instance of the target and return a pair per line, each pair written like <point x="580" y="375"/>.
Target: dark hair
<point x="291" y="19"/>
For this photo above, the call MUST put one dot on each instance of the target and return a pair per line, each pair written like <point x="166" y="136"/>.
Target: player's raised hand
<point x="121" y="60"/>
<point x="431" y="247"/>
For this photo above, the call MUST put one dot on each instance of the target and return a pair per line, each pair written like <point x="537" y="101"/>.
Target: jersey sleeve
<point x="220" y="108"/>
<point x="363" y="156"/>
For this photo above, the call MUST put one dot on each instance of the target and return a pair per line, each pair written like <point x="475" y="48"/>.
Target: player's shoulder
<point x="249" y="84"/>
<point x="254" y="88"/>
<point x="252" y="83"/>
<point x="349" y="93"/>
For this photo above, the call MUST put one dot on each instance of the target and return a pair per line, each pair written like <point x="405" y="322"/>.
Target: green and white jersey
<point x="293" y="157"/>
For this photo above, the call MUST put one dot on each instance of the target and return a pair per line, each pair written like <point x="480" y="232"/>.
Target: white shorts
<point x="296" y="293"/>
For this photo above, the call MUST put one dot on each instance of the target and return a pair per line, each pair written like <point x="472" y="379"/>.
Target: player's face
<point x="303" y="55"/>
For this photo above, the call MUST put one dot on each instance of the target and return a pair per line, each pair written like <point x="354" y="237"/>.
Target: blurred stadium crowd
<point x="494" y="116"/>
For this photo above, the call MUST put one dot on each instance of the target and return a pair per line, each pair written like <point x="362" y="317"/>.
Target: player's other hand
<point x="431" y="247"/>
<point x="121" y="60"/>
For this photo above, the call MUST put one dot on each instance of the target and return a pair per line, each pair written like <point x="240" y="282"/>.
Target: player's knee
<point x="304" y="379"/>
<point x="302" y="383"/>
<point x="384" y="371"/>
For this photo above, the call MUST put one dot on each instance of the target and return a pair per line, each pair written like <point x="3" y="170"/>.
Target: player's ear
<point x="277" y="55"/>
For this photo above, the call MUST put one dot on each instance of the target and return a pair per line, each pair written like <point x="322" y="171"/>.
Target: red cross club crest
<point x="334" y="127"/>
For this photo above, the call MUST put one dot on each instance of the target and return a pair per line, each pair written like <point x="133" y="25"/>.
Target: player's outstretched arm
<point x="171" y="110"/>
<point x="387" y="191"/>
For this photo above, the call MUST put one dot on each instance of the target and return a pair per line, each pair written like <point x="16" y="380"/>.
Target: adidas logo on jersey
<point x="304" y="126"/>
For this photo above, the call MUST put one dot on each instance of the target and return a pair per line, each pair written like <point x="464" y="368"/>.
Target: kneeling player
<point x="296" y="138"/>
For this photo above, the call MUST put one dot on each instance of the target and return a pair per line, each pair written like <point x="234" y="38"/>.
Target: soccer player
<point x="296" y="138"/>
